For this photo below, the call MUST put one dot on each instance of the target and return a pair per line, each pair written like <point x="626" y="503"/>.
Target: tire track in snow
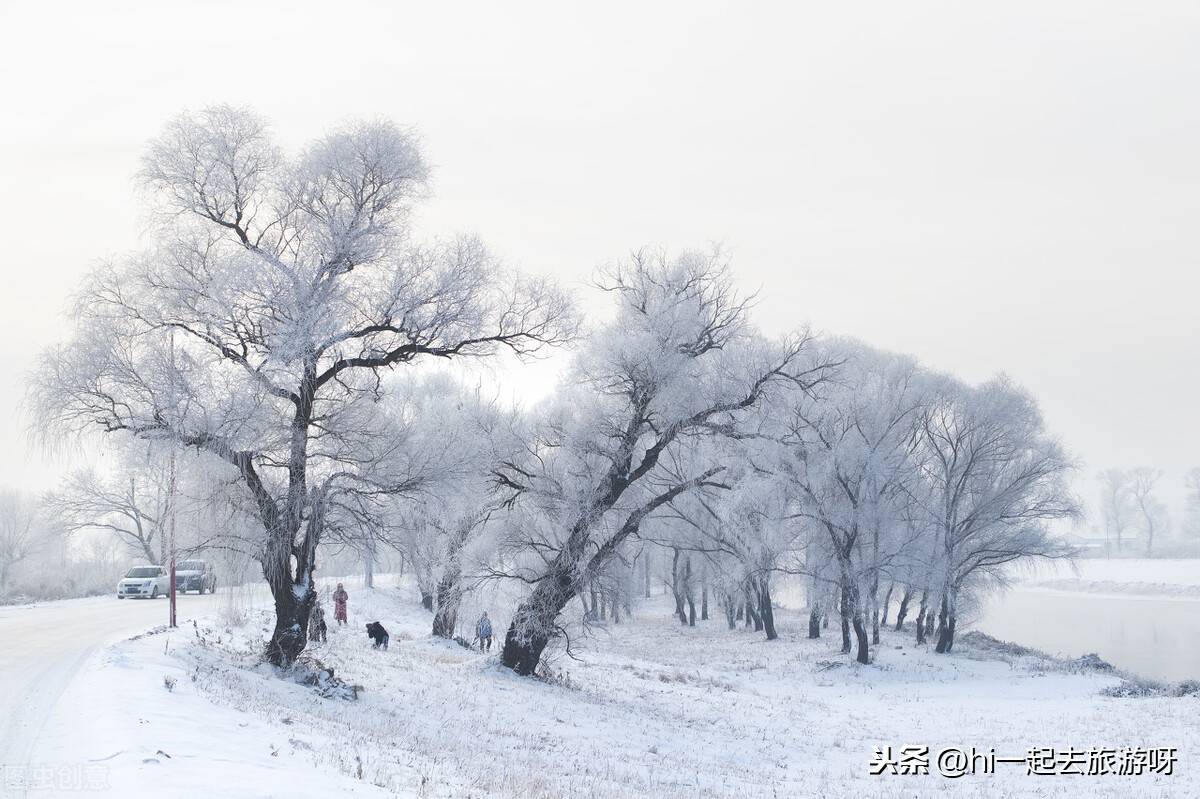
<point x="30" y="696"/>
<point x="44" y="647"/>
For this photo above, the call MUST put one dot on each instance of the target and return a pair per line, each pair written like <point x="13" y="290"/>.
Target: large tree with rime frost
<point x="993" y="479"/>
<point x="461" y="436"/>
<point x="256" y="327"/>
<point x="853" y="471"/>
<point x="679" y="360"/>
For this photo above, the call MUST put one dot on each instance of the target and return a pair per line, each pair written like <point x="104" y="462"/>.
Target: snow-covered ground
<point x="1155" y="578"/>
<point x="645" y="708"/>
<point x="649" y="708"/>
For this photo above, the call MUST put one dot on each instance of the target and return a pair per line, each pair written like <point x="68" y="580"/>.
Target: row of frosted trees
<point x="868" y="475"/>
<point x="263" y="328"/>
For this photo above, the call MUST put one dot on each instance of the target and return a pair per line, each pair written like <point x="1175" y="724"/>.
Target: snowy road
<point x="44" y="647"/>
<point x="89" y="706"/>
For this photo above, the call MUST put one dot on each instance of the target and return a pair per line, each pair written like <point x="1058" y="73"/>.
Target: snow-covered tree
<point x="460" y="438"/>
<point x="131" y="505"/>
<point x="130" y="498"/>
<point x="745" y="533"/>
<point x="678" y="361"/>
<point x="1151" y="512"/>
<point x="671" y="530"/>
<point x="24" y="531"/>
<point x="1116" y="507"/>
<point x="751" y="523"/>
<point x="853" y="474"/>
<point x="993" y="480"/>
<point x="255" y="329"/>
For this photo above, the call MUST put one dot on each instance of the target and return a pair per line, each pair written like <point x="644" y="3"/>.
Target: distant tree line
<point x="1132" y="520"/>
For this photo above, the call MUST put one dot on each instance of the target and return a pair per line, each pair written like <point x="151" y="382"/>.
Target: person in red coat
<point x="339" y="604"/>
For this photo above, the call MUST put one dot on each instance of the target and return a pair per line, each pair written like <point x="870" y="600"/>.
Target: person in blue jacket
<point x="483" y="631"/>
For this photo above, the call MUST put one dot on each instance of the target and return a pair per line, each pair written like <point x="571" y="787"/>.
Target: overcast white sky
<point x="1011" y="188"/>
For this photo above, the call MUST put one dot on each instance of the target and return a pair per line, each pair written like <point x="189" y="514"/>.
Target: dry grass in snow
<point x="651" y="708"/>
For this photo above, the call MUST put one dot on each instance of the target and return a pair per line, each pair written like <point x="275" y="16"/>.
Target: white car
<point x="144" y="581"/>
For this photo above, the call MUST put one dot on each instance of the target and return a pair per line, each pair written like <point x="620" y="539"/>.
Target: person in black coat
<point x="378" y="634"/>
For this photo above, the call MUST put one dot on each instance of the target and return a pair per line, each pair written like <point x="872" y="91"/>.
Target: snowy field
<point x="648" y="708"/>
<point x="1156" y="578"/>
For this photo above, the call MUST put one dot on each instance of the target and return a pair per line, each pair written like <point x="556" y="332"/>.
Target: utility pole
<point x="171" y="492"/>
<point x="171" y="501"/>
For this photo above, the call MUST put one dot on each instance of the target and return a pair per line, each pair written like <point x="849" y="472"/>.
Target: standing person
<point x="339" y="604"/>
<point x="316" y="624"/>
<point x="483" y="631"/>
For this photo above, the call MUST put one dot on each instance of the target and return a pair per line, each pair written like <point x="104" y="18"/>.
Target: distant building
<point x="1094" y="542"/>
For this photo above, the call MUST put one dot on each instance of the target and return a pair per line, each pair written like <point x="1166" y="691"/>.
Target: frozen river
<point x="1157" y="637"/>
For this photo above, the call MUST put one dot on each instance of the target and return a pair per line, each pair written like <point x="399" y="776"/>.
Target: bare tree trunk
<point x="946" y="621"/>
<point x="753" y="613"/>
<point x="875" y="600"/>
<point x="815" y="607"/>
<point x="369" y="566"/>
<point x="292" y="607"/>
<point x="690" y="593"/>
<point x="854" y="616"/>
<point x="887" y="601"/>
<point x="290" y="635"/>
<point x="677" y="587"/>
<point x="687" y="591"/>
<point x="921" y="616"/>
<point x="449" y="597"/>
<point x="646" y="571"/>
<point x="860" y="633"/>
<point x="157" y="560"/>
<point x="845" y="609"/>
<point x="533" y="622"/>
<point x="764" y="607"/>
<point x="903" y="611"/>
<point x="535" y="619"/>
<point x="288" y="570"/>
<point x="704" y="598"/>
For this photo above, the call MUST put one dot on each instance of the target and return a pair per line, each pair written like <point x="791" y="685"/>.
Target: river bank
<point x="1139" y="615"/>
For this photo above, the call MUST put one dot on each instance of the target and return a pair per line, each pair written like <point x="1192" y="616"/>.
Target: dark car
<point x="195" y="575"/>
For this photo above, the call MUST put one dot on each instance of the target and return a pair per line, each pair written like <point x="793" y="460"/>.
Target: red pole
<point x="171" y="501"/>
<point x="171" y="490"/>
